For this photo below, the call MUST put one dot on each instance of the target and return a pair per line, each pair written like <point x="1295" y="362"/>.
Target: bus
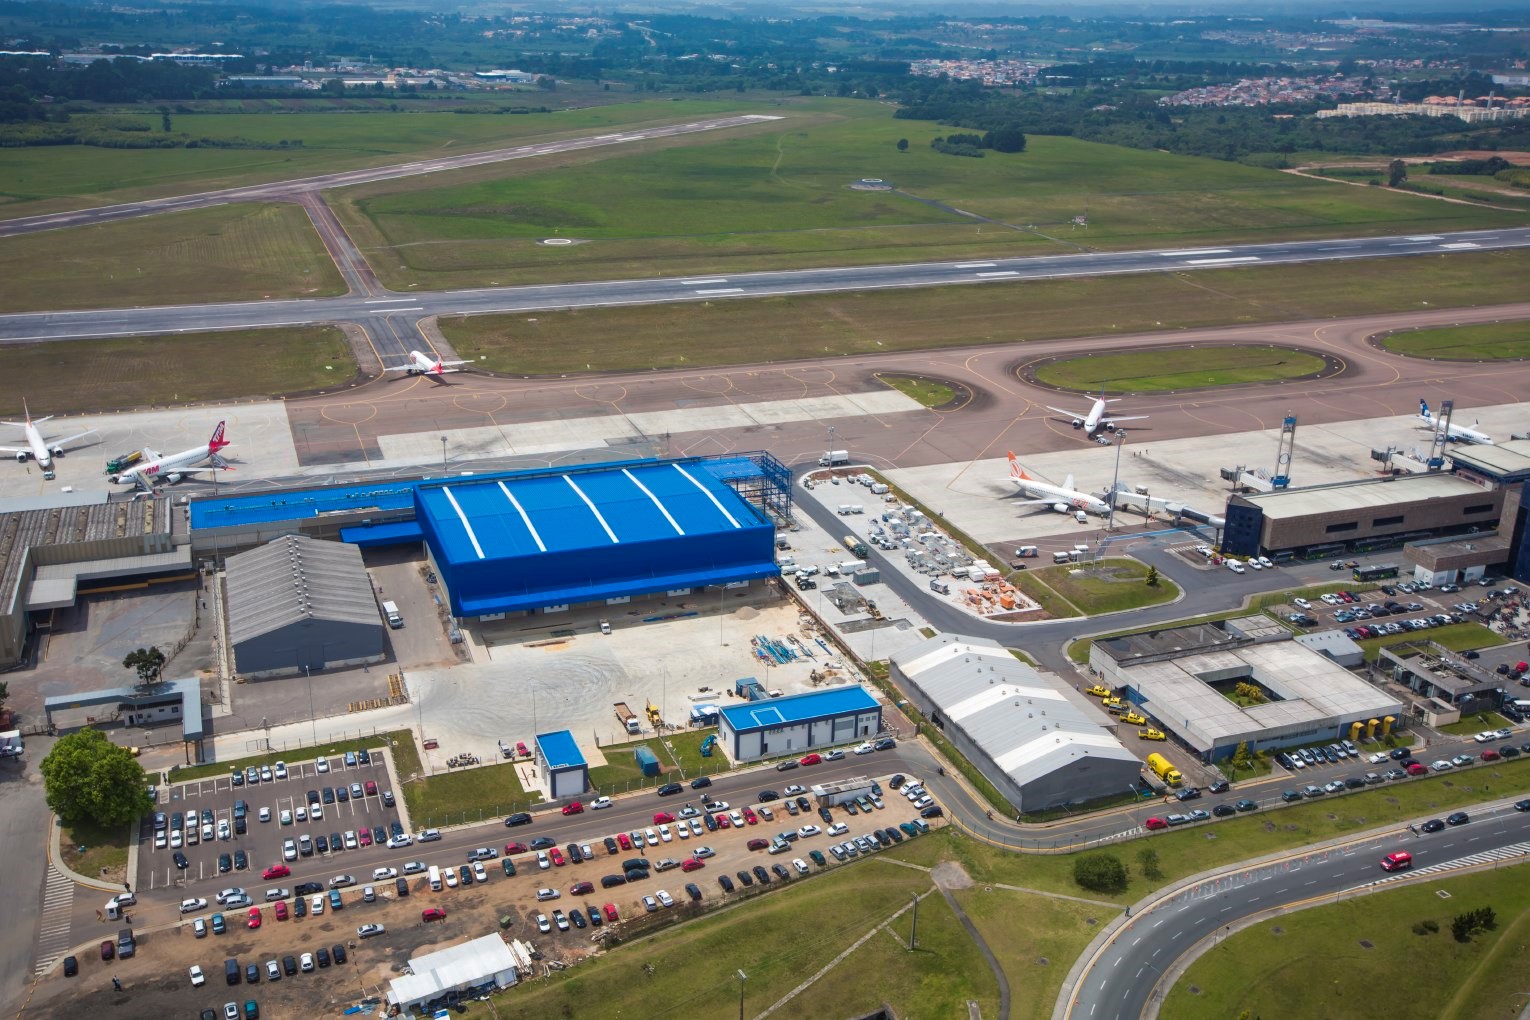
<point x="1376" y="572"/>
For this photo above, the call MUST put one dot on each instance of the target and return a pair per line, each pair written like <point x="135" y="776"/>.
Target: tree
<point x="1100" y="872"/>
<point x="1397" y="173"/>
<point x="87" y="778"/>
<point x="1147" y="859"/>
<point x="1465" y="927"/>
<point x="1242" y="758"/>
<point x="903" y="145"/>
<point x="1152" y="576"/>
<point x="1005" y="139"/>
<point x="164" y="119"/>
<point x="148" y="662"/>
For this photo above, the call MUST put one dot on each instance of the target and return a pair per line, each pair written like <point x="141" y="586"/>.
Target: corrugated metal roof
<point x="1030" y="723"/>
<point x="1370" y="494"/>
<point x="479" y="519"/>
<point x="797" y="708"/>
<point x="296" y="578"/>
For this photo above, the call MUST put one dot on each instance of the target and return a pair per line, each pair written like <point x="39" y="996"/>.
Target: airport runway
<point x="38" y="327"/>
<point x="1121" y="978"/>
<point x="292" y="190"/>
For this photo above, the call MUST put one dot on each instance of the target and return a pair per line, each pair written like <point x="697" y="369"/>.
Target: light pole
<point x="742" y="977"/>
<point x="1115" y="480"/>
<point x="313" y="717"/>
<point x="443" y="456"/>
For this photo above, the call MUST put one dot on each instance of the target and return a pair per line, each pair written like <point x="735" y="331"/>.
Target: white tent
<point x="457" y="968"/>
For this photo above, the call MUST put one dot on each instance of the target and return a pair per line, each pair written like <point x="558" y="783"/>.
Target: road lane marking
<point x="704" y="282"/>
<point x="721" y="290"/>
<point x="1193" y="251"/>
<point x="1223" y="262"/>
<point x="976" y="265"/>
<point x="1425" y="237"/>
<point x="997" y="274"/>
<point x="391" y="300"/>
<point x="1138" y="939"/>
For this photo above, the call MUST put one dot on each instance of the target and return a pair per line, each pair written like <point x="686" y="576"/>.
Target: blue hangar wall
<point x="513" y="543"/>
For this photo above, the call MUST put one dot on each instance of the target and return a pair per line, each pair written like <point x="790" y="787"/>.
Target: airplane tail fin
<point x="217" y="442"/>
<point x="1015" y="470"/>
<point x="1423" y="409"/>
<point x="439" y="368"/>
<point x="1067" y="482"/>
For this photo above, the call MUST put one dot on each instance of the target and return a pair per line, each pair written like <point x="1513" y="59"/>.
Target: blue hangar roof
<point x="560" y="750"/>
<point x="799" y="708"/>
<point x="536" y="539"/>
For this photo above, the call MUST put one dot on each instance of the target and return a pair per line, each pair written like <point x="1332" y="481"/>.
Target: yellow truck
<point x="1113" y="703"/>
<point x="1134" y="719"/>
<point x="1099" y="691"/>
<point x="1163" y="770"/>
<point x="1151" y="734"/>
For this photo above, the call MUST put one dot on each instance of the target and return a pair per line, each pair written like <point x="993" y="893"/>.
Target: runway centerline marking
<point x="720" y="290"/>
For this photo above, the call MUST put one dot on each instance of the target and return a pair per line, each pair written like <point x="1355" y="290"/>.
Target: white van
<point x="435" y="878"/>
<point x="1027" y="551"/>
<point x="390" y="610"/>
<point x="1062" y="557"/>
<point x="1236" y="566"/>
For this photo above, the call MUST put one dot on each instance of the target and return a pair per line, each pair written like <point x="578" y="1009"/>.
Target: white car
<point x="864" y="748"/>
<point x="191" y="906"/>
<point x="600" y="802"/>
<point x="737" y="818"/>
<point x="1378" y="758"/>
<point x="316" y="811"/>
<point x="1266" y="563"/>
<point x="795" y="789"/>
<point x="350" y="840"/>
<point x="665" y="834"/>
<point x="695" y="827"/>
<point x="265" y="814"/>
<point x="543" y="924"/>
<point x="838" y="829"/>
<point x="808" y="830"/>
<point x="289" y="850"/>
<point x="300" y="813"/>
<point x="543" y="861"/>
<point x="682" y="829"/>
<point x="1441" y="765"/>
<point x="650" y="904"/>
<point x="701" y="853"/>
<point x="160" y="840"/>
<point x="378" y="874"/>
<point x="397" y="842"/>
<point x="322" y="766"/>
<point x="1301" y="603"/>
<point x="923" y="802"/>
<point x="1254" y="564"/>
<point x="1486" y="736"/>
<point x="543" y="895"/>
<point x="665" y="899"/>
<point x="234" y="893"/>
<point x="207" y="832"/>
<point x="714" y="806"/>
<point x="800" y="865"/>
<point x="479" y="875"/>
<point x="451" y="877"/>
<point x="316" y="905"/>
<point x="281" y="770"/>
<point x="651" y="836"/>
<point x="198" y="979"/>
<point x="305" y="963"/>
<point x="175" y="839"/>
<point x="199" y="927"/>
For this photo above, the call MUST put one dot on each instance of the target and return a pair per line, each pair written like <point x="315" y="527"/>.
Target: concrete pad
<point x="693" y="419"/>
<point x="261" y="437"/>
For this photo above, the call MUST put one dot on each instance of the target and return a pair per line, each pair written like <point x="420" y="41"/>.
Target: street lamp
<point x="443" y="456"/>
<point x="1115" y="480"/>
<point x="742" y="977"/>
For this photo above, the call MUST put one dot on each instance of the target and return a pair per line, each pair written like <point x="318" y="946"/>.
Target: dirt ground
<point x="155" y="981"/>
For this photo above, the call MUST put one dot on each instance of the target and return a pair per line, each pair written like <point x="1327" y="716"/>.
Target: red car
<point x="557" y="857"/>
<point x="365" y="836"/>
<point x="432" y="914"/>
<point x="722" y="821"/>
<point x="1399" y="861"/>
<point x="1491" y="756"/>
<point x="108" y="950"/>
<point x="758" y="844"/>
<point x="575" y="808"/>
<point x="254" y="921"/>
<point x="810" y="759"/>
<point x="691" y="864"/>
<point x="371" y="788"/>
<point x="610" y="909"/>
<point x="277" y="871"/>
<point x="624" y="841"/>
<point x="1417" y="769"/>
<point x="514" y="848"/>
<point x="280" y="910"/>
<point x="520" y="749"/>
<point x="660" y="817"/>
<point x="581" y="888"/>
<point x="1156" y="823"/>
<point x="750" y="817"/>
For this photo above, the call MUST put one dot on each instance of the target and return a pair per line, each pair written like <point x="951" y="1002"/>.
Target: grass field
<point x="780" y="197"/>
<point x="226" y="253"/>
<point x="1178" y="368"/>
<point x="1115" y="585"/>
<point x="469" y="795"/>
<point x="1476" y="722"/>
<point x="49" y="179"/>
<point x="111" y="375"/>
<point x="1491" y="342"/>
<point x="106" y="850"/>
<point x="926" y="391"/>
<point x="789" y="328"/>
<point x="1312" y="963"/>
<point x="1458" y="637"/>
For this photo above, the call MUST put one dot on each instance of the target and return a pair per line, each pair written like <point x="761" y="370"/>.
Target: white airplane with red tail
<point x="176" y="466"/>
<point x="1063" y="498"/>
<point x="39" y="449"/>
<point x="420" y="364"/>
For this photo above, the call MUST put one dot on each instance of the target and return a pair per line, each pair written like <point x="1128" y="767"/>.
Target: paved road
<point x="45" y="326"/>
<point x="1119" y="981"/>
<point x="40" y="903"/>
<point x="291" y="190"/>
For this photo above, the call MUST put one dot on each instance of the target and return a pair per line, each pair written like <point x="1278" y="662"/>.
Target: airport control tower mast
<point x="1441" y="437"/>
<point x="1282" y="476"/>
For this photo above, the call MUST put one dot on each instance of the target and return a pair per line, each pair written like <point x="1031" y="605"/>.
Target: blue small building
<point x="646" y="760"/>
<point x="799" y="723"/>
<point x="565" y="773"/>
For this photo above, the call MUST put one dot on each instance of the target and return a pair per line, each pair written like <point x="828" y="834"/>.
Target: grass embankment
<point x="1458" y="637"/>
<point x="406" y="758"/>
<point x="48" y="179"/>
<point x="1363" y="958"/>
<point x="1178" y="368"/>
<point x="468" y="795"/>
<point x="778" y="195"/>
<point x="1476" y="723"/>
<point x="106" y="850"/>
<point x="1488" y="342"/>
<point x="226" y="253"/>
<point x="813" y="326"/>
<point x="127" y="372"/>
<point x="1111" y="586"/>
<point x="927" y="391"/>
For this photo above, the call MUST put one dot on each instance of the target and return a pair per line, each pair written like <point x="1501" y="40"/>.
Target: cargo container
<point x="1164" y="770"/>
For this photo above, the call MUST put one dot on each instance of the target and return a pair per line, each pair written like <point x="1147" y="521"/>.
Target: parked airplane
<point x="1063" y="498"/>
<point x="1457" y="433"/>
<point x="1096" y="418"/>
<point x="176" y="466"/>
<point x="39" y="449"/>
<point x="420" y="364"/>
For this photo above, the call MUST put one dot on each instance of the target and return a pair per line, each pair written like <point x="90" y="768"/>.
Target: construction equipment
<point x="655" y="719"/>
<point x="706" y="745"/>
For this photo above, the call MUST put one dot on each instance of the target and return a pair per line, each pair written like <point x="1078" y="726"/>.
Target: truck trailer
<point x="628" y="717"/>
<point x="833" y="458"/>
<point x="1164" y="770"/>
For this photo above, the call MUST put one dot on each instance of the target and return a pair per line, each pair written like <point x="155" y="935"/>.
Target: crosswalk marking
<point x="1503" y="853"/>
<point x="53" y="937"/>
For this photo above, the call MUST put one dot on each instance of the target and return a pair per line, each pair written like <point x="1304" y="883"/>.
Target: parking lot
<point x="212" y="801"/>
<point x="157" y="973"/>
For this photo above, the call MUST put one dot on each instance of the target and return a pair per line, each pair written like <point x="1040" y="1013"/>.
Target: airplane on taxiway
<point x="39" y="449"/>
<point x="420" y="364"/>
<point x="1096" y="418"/>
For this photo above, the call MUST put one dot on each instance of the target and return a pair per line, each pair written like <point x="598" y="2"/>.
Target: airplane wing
<point x="1080" y="415"/>
<point x="1113" y="420"/>
<point x="456" y="362"/>
<point x="69" y="439"/>
<point x="15" y="449"/>
<point x="400" y="368"/>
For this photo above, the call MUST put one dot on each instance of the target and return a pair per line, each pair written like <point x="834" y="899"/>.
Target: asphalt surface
<point x="1120" y="980"/>
<point x="292" y="190"/>
<point x="38" y="327"/>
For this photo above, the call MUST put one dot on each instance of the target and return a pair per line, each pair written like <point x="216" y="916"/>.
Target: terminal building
<point x="798" y="723"/>
<point x="1040" y="742"/>
<point x="1188" y="680"/>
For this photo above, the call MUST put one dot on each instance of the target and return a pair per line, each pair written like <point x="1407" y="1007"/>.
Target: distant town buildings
<point x="1273" y="91"/>
<point x="996" y="73"/>
<point x="1473" y="111"/>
